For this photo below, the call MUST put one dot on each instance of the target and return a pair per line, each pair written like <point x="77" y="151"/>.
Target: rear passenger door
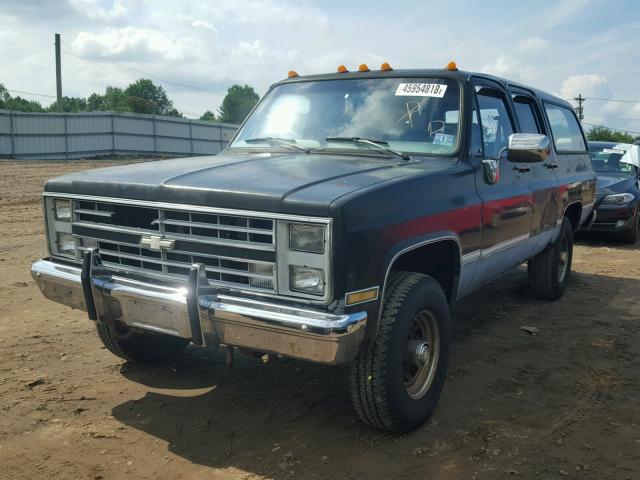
<point x="540" y="177"/>
<point x="574" y="174"/>
<point x="506" y="209"/>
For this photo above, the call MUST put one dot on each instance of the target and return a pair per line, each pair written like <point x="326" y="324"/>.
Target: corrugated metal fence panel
<point x="89" y="124"/>
<point x="39" y="144"/>
<point x="38" y="124"/>
<point x="78" y="135"/>
<point x="5" y="124"/>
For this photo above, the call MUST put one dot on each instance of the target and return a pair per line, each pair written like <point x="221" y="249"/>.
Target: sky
<point x="196" y="49"/>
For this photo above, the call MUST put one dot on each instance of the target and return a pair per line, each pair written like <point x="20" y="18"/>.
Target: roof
<point x="599" y="143"/>
<point x="455" y="75"/>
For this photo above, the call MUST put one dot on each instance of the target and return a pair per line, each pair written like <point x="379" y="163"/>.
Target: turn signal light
<point x="363" y="68"/>
<point x="342" y="69"/>
<point x="385" y="67"/>
<point x="292" y="73"/>
<point x="361" y="296"/>
<point x="451" y="66"/>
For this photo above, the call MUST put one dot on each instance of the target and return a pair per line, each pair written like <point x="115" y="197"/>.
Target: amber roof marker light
<point x="342" y="69"/>
<point x="385" y="67"/>
<point x="363" y="68"/>
<point x="292" y="74"/>
<point x="451" y="66"/>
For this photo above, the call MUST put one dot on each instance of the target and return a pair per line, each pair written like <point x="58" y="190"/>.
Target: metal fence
<point x="77" y="135"/>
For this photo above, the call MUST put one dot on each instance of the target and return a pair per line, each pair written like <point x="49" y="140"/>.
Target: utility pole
<point x="58" y="73"/>
<point x="579" y="108"/>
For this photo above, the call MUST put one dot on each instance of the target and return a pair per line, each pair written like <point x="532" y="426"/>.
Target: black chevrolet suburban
<point x="350" y="211"/>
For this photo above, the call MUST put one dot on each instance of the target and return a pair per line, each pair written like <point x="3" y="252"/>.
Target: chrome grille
<point x="237" y="250"/>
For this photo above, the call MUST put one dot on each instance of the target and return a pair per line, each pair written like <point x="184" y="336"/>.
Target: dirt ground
<point x="564" y="403"/>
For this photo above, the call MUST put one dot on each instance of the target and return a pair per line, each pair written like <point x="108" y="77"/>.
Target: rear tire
<point x="397" y="378"/>
<point x="631" y="235"/>
<point x="550" y="270"/>
<point x="142" y="347"/>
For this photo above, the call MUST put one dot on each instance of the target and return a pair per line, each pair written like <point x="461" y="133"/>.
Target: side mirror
<point x="528" y="148"/>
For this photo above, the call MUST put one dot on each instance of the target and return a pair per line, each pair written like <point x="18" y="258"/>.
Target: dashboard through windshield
<point x="412" y="115"/>
<point x="611" y="161"/>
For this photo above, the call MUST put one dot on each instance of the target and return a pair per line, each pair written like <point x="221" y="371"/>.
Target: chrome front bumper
<point x="200" y="313"/>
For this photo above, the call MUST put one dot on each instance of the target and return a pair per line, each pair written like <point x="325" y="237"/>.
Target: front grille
<point x="236" y="250"/>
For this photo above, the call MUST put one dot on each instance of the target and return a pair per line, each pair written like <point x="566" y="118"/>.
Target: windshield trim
<point x="461" y="114"/>
<point x="361" y="152"/>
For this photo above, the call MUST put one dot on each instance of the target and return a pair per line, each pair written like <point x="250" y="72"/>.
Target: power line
<point x="175" y="84"/>
<point x="612" y="100"/>
<point x="31" y="93"/>
<point x="617" y="118"/>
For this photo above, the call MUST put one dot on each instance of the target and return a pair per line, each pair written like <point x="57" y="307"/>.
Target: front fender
<point x="390" y="257"/>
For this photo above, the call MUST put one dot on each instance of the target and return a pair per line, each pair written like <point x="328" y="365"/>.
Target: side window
<point x="566" y="131"/>
<point x="494" y="120"/>
<point x="476" y="133"/>
<point x="526" y="114"/>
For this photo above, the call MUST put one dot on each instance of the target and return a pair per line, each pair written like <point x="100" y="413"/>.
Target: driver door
<point x="507" y="196"/>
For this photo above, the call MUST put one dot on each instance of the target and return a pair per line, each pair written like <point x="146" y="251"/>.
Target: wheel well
<point x="573" y="213"/>
<point x="440" y="260"/>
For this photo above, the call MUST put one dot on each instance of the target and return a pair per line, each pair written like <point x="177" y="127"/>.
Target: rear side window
<point x="566" y="131"/>
<point x="494" y="120"/>
<point x="526" y="114"/>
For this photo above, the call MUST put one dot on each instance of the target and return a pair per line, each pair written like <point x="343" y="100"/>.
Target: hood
<point x="609" y="184"/>
<point x="304" y="184"/>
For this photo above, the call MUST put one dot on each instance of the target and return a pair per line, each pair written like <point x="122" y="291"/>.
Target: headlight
<point x="62" y="209"/>
<point x="306" y="238"/>
<point x="65" y="243"/>
<point x="306" y="280"/>
<point x="618" y="199"/>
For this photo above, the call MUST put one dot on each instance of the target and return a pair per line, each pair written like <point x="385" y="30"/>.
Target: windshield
<point x="416" y="115"/>
<point x="607" y="160"/>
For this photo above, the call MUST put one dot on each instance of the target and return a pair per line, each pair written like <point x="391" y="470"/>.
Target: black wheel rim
<point x="421" y="354"/>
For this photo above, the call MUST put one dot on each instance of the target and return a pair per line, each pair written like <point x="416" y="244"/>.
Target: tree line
<point x="141" y="96"/>
<point x="605" y="134"/>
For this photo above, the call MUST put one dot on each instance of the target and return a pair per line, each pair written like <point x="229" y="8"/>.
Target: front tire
<point x="549" y="271"/>
<point x="397" y="378"/>
<point x="137" y="346"/>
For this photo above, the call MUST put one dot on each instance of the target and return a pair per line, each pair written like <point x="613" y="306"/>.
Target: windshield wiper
<point x="286" y="142"/>
<point x="380" y="145"/>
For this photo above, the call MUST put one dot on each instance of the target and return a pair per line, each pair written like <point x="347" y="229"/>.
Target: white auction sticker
<point x="421" y="90"/>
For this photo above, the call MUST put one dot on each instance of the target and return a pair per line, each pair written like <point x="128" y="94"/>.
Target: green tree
<point x="7" y="102"/>
<point x="209" y="116"/>
<point x="114" y="99"/>
<point x="69" y="104"/>
<point x="237" y="103"/>
<point x="143" y="96"/>
<point x="607" y="135"/>
<point x="4" y="96"/>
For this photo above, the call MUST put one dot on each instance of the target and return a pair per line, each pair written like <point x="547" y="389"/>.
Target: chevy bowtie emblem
<point x="157" y="243"/>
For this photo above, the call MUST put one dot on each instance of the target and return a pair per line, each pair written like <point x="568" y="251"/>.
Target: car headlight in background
<point x="65" y="243"/>
<point x="306" y="280"/>
<point x="306" y="238"/>
<point x="618" y="199"/>
<point x="62" y="209"/>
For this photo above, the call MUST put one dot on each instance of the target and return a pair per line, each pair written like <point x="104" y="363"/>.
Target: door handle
<point x="551" y="166"/>
<point x="522" y="169"/>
